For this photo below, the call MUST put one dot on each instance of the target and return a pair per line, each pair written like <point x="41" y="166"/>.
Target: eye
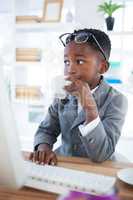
<point x="66" y="62"/>
<point x="80" y="62"/>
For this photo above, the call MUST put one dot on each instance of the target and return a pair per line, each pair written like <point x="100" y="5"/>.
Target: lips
<point x="72" y="78"/>
<point x="68" y="82"/>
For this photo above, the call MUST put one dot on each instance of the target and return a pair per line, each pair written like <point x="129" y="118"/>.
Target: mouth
<point x="72" y="77"/>
<point x="68" y="82"/>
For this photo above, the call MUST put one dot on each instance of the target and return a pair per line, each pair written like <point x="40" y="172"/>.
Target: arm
<point x="46" y="136"/>
<point x="49" y="129"/>
<point x="101" y="141"/>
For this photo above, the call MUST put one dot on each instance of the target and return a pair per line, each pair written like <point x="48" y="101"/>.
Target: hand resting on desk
<point x="43" y="155"/>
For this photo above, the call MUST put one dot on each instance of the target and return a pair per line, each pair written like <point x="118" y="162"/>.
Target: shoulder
<point x="118" y="96"/>
<point x="118" y="101"/>
<point x="112" y="92"/>
<point x="112" y="98"/>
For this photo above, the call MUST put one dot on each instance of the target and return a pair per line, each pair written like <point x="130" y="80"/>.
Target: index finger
<point x="31" y="156"/>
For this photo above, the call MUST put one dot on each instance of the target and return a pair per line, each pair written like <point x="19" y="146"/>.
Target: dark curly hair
<point x="101" y="37"/>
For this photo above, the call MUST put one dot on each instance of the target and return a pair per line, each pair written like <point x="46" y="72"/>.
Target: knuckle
<point x="52" y="154"/>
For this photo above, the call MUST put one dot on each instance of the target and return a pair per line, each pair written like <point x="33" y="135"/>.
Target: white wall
<point x="6" y="6"/>
<point x="86" y="13"/>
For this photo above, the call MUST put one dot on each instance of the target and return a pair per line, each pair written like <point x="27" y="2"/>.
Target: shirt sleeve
<point x="86" y="129"/>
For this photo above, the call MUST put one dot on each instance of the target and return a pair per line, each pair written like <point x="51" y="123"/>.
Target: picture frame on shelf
<point x="28" y="11"/>
<point x="52" y="10"/>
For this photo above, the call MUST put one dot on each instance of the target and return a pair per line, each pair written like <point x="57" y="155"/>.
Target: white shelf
<point x="43" y="27"/>
<point x="28" y="64"/>
<point x="120" y="33"/>
<point x="28" y="102"/>
<point x="125" y="89"/>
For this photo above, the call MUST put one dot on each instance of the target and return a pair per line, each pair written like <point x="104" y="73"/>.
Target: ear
<point x="104" y="66"/>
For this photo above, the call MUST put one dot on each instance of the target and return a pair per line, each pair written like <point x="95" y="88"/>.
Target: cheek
<point x="88" y="74"/>
<point x="90" y="70"/>
<point x="65" y="70"/>
<point x="77" y="70"/>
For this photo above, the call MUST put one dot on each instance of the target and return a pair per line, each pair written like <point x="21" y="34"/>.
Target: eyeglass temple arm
<point x="100" y="47"/>
<point x="60" y="37"/>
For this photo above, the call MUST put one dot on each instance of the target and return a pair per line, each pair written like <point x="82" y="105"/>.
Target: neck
<point x="95" y="82"/>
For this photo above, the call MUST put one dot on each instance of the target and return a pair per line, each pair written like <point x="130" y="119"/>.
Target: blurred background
<point x="32" y="55"/>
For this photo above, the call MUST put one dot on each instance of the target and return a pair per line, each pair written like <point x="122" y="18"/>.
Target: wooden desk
<point x="106" y="168"/>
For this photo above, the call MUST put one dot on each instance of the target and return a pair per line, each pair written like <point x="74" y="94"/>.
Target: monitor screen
<point x="11" y="162"/>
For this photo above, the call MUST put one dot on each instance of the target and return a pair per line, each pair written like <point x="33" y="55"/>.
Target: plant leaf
<point x="109" y="7"/>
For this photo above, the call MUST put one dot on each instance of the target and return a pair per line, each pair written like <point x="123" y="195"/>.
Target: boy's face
<point x="82" y="62"/>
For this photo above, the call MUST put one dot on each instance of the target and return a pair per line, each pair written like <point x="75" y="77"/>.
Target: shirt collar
<point x="93" y="90"/>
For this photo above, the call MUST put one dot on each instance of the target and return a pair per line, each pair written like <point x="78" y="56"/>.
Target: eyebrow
<point x="78" y="55"/>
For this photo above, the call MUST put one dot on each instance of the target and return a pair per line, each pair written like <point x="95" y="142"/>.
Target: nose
<point x="71" y="70"/>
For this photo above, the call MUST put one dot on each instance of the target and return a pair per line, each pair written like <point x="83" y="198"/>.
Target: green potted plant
<point x="109" y="8"/>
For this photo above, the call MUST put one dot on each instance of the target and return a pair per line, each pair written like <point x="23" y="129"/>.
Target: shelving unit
<point x="28" y="64"/>
<point x="45" y="27"/>
<point x="29" y="102"/>
<point x="120" y="33"/>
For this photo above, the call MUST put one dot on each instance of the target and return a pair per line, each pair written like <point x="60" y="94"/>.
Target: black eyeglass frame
<point x="88" y="35"/>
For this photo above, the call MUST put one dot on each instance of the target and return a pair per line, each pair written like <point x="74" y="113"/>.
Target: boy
<point x="90" y="119"/>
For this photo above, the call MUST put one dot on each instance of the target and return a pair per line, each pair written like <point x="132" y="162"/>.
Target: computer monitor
<point x="12" y="173"/>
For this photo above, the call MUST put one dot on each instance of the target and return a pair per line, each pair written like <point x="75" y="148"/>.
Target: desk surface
<point x="106" y="168"/>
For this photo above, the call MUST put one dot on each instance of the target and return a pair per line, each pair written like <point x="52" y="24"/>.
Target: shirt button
<point x="91" y="141"/>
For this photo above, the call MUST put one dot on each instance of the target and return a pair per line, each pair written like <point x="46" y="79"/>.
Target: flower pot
<point x="110" y="23"/>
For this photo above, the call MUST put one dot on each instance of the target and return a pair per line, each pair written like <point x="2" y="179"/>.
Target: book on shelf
<point x="28" y="54"/>
<point x="28" y="19"/>
<point x="28" y="58"/>
<point x="27" y="50"/>
<point x="28" y="92"/>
